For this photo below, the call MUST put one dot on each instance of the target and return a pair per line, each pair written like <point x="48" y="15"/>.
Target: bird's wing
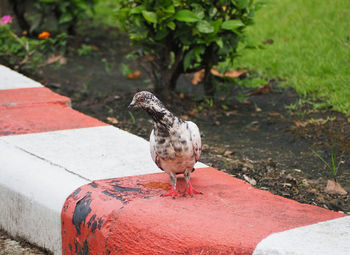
<point x="152" y="143"/>
<point x="195" y="138"/>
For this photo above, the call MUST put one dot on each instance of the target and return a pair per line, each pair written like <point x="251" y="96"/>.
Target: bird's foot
<point x="173" y="193"/>
<point x="191" y="191"/>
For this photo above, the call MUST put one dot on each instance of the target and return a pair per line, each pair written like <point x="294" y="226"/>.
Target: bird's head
<point x="145" y="100"/>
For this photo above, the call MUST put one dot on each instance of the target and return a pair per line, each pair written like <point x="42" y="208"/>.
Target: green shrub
<point x="186" y="35"/>
<point x="21" y="52"/>
<point x="56" y="16"/>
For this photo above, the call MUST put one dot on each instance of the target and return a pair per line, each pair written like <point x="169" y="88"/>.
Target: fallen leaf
<point x="317" y="121"/>
<point x="298" y="123"/>
<point x="229" y="113"/>
<point x="334" y="187"/>
<point x="305" y="183"/>
<point x="287" y="184"/>
<point x="52" y="59"/>
<point x="250" y="180"/>
<point x="229" y="153"/>
<point x="258" y="109"/>
<point x="205" y="147"/>
<point x="312" y="190"/>
<point x="112" y="120"/>
<point x="263" y="90"/>
<point x="95" y="48"/>
<point x="215" y="72"/>
<point x="135" y="75"/>
<point x="235" y="73"/>
<point x="193" y="112"/>
<point x="182" y="95"/>
<point x="274" y="114"/>
<point x="198" y="77"/>
<point x="246" y="102"/>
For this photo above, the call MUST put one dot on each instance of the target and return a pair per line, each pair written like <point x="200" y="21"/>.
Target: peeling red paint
<point x="128" y="216"/>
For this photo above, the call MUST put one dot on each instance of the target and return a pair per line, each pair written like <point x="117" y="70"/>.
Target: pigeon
<point x="175" y="144"/>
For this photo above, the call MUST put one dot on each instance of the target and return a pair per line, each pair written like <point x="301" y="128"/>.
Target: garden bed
<point x="266" y="139"/>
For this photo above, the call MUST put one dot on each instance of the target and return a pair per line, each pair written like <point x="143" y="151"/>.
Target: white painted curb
<point x="32" y="192"/>
<point x="10" y="79"/>
<point x="323" y="238"/>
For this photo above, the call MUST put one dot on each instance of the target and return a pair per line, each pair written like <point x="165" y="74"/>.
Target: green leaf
<point x="170" y="9"/>
<point x="171" y="25"/>
<point x="241" y="4"/>
<point x="212" y="11"/>
<point x="232" y="24"/>
<point x="150" y="16"/>
<point x="219" y="42"/>
<point x="198" y="51"/>
<point x="205" y="27"/>
<point x="186" y="16"/>
<point x="161" y="34"/>
<point x="187" y="59"/>
<point x="138" y="9"/>
<point x="125" y="69"/>
<point x="65" y="18"/>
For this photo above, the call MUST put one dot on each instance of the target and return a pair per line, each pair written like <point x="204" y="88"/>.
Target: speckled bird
<point x="175" y="144"/>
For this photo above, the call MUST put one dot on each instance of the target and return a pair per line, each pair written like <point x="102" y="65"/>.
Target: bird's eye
<point x="141" y="99"/>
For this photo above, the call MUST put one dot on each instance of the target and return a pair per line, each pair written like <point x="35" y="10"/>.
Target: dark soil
<point x="266" y="139"/>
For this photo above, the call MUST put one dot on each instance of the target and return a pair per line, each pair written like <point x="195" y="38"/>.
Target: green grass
<point x="311" y="49"/>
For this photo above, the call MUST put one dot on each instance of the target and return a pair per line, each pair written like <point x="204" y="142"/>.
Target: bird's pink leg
<point x="173" y="193"/>
<point x="190" y="190"/>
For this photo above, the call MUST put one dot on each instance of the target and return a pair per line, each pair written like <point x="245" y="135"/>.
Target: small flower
<point x="6" y="19"/>
<point x="44" y="35"/>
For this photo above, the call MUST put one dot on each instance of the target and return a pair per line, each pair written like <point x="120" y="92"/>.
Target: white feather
<point x="152" y="143"/>
<point x="196" y="138"/>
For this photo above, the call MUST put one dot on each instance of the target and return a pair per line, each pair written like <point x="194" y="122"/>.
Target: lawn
<point x="310" y="49"/>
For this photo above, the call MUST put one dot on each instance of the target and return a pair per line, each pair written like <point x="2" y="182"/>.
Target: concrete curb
<point x="128" y="216"/>
<point x="48" y="151"/>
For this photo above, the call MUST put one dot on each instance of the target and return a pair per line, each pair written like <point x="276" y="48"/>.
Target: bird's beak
<point x="131" y="106"/>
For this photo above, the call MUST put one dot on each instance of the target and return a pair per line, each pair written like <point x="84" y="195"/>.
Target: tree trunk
<point x="18" y="8"/>
<point x="208" y="81"/>
<point x="166" y="77"/>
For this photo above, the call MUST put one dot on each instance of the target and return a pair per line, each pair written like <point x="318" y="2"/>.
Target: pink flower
<point x="6" y="19"/>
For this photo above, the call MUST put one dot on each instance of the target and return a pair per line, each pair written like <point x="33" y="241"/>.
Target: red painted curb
<point x="128" y="216"/>
<point x="30" y="96"/>
<point x="44" y="118"/>
<point x="33" y="110"/>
